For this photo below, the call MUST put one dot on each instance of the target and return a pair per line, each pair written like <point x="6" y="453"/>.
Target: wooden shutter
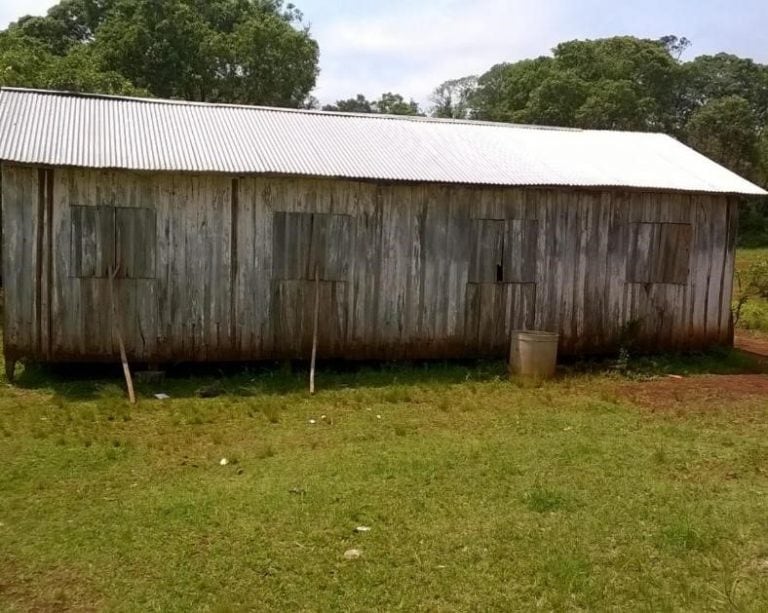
<point x="92" y="247"/>
<point x="302" y="241"/>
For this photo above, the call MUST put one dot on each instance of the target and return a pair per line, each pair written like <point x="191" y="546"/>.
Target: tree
<point x="621" y="82"/>
<point x="389" y="104"/>
<point x="78" y="71"/>
<point x="726" y="130"/>
<point x="503" y="93"/>
<point x="26" y="62"/>
<point x="614" y="105"/>
<point x="453" y="99"/>
<point x="67" y="24"/>
<point x="395" y="104"/>
<point x="158" y="45"/>
<point x="22" y="62"/>
<point x="358" y="104"/>
<point x="246" y="51"/>
<point x="674" y="45"/>
<point x="710" y="77"/>
<point x="556" y="101"/>
<point x="270" y="62"/>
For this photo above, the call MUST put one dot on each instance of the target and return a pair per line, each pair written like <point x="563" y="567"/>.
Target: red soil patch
<point x="699" y="391"/>
<point x="752" y="343"/>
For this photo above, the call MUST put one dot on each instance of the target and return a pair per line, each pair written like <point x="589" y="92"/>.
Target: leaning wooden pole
<point x="315" y="319"/>
<point x="116" y="327"/>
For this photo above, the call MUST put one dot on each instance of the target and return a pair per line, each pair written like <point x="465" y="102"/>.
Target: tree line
<point x="262" y="52"/>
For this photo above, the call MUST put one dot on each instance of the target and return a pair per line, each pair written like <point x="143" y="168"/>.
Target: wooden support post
<point x="116" y="326"/>
<point x="315" y="318"/>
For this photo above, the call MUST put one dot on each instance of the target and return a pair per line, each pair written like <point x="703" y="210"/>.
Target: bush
<point x="750" y="309"/>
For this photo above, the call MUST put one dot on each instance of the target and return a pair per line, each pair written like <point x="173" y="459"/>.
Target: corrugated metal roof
<point x="63" y="129"/>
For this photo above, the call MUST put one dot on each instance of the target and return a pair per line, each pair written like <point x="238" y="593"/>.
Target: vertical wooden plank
<point x="701" y="270"/>
<point x="643" y="244"/>
<point x="458" y="249"/>
<point x="671" y="261"/>
<point x="726" y="296"/>
<point x="366" y="269"/>
<point x="597" y="280"/>
<point x="233" y="266"/>
<point x="567" y="265"/>
<point x="48" y="267"/>
<point x="336" y="254"/>
<point x="522" y="308"/>
<point x="487" y="263"/>
<point x="39" y="259"/>
<point x="581" y="202"/>
<point x="318" y="246"/>
<point x="716" y="260"/>
<point x="136" y="242"/>
<point x="546" y="298"/>
<point x="520" y="250"/>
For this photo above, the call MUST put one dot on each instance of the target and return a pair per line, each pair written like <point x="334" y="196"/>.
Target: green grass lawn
<point x="754" y="314"/>
<point x="481" y="494"/>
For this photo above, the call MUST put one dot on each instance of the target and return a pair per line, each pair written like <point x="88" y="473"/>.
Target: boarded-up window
<point x="105" y="237"/>
<point x="659" y="252"/>
<point x="304" y="241"/>
<point x="503" y="251"/>
<point x="93" y="240"/>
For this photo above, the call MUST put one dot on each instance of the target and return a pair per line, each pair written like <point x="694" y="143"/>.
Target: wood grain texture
<point x="221" y="268"/>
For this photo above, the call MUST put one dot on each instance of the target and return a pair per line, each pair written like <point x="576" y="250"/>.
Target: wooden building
<point x="430" y="238"/>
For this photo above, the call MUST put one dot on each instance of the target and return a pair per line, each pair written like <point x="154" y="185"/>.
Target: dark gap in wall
<point x="500" y="264"/>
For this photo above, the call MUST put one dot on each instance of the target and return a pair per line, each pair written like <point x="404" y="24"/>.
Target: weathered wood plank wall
<point x="216" y="268"/>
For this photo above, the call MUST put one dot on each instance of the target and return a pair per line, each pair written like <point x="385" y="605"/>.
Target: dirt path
<point x="702" y="391"/>
<point x="754" y="343"/>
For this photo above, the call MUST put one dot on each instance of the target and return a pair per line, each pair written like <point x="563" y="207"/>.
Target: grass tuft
<point x="682" y="535"/>
<point x="544" y="500"/>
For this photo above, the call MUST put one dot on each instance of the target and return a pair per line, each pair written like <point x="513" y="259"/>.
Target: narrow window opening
<point x="500" y="263"/>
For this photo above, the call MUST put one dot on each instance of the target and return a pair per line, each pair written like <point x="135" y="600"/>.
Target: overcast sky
<point x="410" y="47"/>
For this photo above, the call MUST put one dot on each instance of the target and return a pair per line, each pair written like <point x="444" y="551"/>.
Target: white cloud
<point x="11" y="11"/>
<point x="413" y="48"/>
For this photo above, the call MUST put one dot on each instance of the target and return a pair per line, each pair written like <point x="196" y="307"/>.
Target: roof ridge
<point x="276" y="109"/>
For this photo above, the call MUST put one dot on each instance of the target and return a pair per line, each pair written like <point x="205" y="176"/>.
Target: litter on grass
<point x="162" y="396"/>
<point x="352" y="554"/>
